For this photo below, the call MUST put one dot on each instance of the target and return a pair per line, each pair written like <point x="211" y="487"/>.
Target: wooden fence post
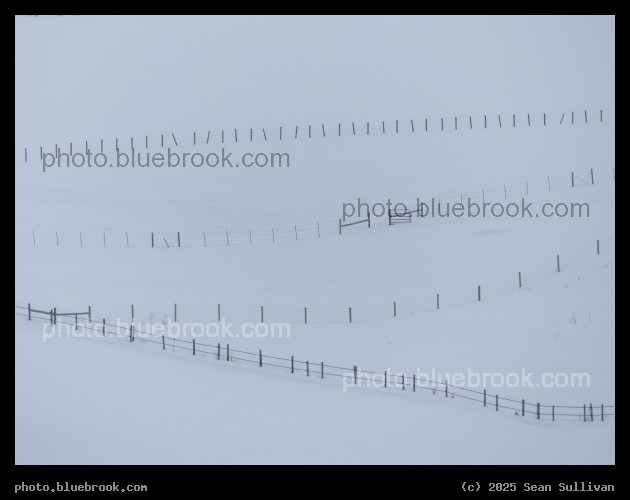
<point x="538" y="411"/>
<point x="355" y="380"/>
<point x="175" y="313"/>
<point x="322" y="369"/>
<point x="558" y="262"/>
<point x="307" y="369"/>
<point x="572" y="182"/>
<point x="446" y="389"/>
<point x="305" y="315"/>
<point x="260" y="357"/>
<point x="479" y="293"/>
<point x="592" y="178"/>
<point x="219" y="350"/>
<point x="193" y="346"/>
<point x="519" y="280"/>
<point x="597" y="247"/>
<point x="584" y="413"/>
<point x="523" y="409"/>
<point x="227" y="352"/>
<point x="394" y="309"/>
<point x="55" y="316"/>
<point x="152" y="240"/>
<point x="104" y="328"/>
<point x="89" y="314"/>
<point x="179" y="241"/>
<point x="414" y="382"/>
<point x="163" y="343"/>
<point x="438" y="300"/>
<point x="292" y="365"/>
<point x="262" y="314"/>
<point x="29" y="311"/>
<point x="350" y="313"/>
<point x="496" y="402"/>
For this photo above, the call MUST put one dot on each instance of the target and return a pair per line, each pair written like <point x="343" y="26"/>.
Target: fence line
<point x="295" y="232"/>
<point x="310" y="131"/>
<point x="350" y="374"/>
<point x="443" y="299"/>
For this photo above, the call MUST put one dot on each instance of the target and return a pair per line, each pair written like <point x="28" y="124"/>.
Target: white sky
<point x="111" y="74"/>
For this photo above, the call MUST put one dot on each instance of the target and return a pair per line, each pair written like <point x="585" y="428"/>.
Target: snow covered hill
<point x="438" y="295"/>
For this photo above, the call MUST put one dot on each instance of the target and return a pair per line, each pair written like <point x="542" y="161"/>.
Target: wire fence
<point x="280" y="314"/>
<point x="351" y="376"/>
<point x="512" y="189"/>
<point x="308" y="131"/>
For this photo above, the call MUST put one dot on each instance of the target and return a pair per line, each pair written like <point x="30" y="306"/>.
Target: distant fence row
<point x="321" y="130"/>
<point x="368" y="312"/>
<point x="175" y="239"/>
<point x="350" y="376"/>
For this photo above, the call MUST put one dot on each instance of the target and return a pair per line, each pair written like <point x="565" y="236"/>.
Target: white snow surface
<point x="83" y="237"/>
